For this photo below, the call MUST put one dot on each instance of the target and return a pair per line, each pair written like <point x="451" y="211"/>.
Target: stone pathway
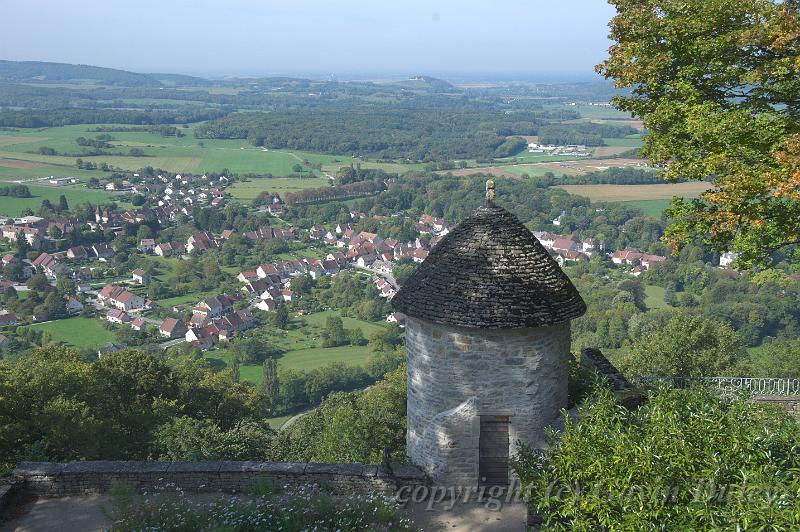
<point x="67" y="514"/>
<point x="90" y="514"/>
<point x="469" y="517"/>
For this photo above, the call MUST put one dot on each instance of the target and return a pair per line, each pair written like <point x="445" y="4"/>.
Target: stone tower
<point x="488" y="338"/>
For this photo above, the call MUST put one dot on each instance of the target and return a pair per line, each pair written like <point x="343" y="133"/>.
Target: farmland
<point x="665" y="191"/>
<point x="250" y="189"/>
<point x="301" y="349"/>
<point x="77" y="332"/>
<point x="11" y="206"/>
<point x="20" y="156"/>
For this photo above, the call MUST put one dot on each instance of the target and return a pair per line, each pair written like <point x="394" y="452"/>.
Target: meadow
<point x="301" y="347"/>
<point x="654" y="297"/>
<point x="20" y="157"/>
<point x="76" y="332"/>
<point x="663" y="191"/>
<point x="75" y="194"/>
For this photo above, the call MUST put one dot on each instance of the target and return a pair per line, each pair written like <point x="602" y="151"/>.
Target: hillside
<point x="38" y="71"/>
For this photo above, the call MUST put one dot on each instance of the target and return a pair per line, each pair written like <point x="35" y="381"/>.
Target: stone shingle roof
<point x="490" y="272"/>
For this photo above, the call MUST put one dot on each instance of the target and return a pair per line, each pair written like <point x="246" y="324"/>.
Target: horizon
<point x="351" y="40"/>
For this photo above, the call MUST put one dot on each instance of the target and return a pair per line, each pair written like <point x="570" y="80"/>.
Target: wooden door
<point x="493" y="451"/>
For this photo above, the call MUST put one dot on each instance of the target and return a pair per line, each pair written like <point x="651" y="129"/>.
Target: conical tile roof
<point x="490" y="272"/>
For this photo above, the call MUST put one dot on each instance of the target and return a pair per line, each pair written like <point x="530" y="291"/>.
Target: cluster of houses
<point x="639" y="260"/>
<point x="576" y="150"/>
<point x="270" y="282"/>
<point x="567" y="248"/>
<point x="174" y="193"/>
<point x="38" y="232"/>
<point x="213" y="319"/>
<point x="121" y="301"/>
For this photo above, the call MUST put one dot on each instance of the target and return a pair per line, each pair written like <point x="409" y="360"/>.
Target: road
<point x="167" y="345"/>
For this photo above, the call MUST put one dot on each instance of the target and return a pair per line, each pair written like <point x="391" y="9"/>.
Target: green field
<point x="654" y="297"/>
<point x="277" y="422"/>
<point x="652" y="208"/>
<point x="661" y="191"/>
<point x="10" y="206"/>
<point x="20" y="157"/>
<point x="301" y="351"/>
<point x="77" y="332"/>
<point x="249" y="190"/>
<point x="595" y="112"/>
<point x="631" y="141"/>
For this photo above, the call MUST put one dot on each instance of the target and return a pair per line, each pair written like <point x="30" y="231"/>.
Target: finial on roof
<point x="489" y="191"/>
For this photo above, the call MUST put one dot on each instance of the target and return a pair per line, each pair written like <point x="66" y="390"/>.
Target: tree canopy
<point x="717" y="85"/>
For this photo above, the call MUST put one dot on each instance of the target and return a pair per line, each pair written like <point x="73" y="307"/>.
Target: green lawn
<point x="317" y="357"/>
<point x="652" y="208"/>
<point x="20" y="150"/>
<point x="655" y="297"/>
<point x="301" y="348"/>
<point x="249" y="190"/>
<point x="631" y="141"/>
<point x="319" y="319"/>
<point x="10" y="206"/>
<point x="192" y="297"/>
<point x="77" y="332"/>
<point x="277" y="422"/>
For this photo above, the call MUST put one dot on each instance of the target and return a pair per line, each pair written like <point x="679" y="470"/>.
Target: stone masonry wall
<point x="791" y="403"/>
<point x="456" y="375"/>
<point x="47" y="479"/>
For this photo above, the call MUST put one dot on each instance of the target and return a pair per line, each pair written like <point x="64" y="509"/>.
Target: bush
<point x="304" y="508"/>
<point x="686" y="460"/>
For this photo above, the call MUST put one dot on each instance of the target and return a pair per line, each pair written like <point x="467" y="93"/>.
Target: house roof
<point x="169" y="324"/>
<point x="490" y="272"/>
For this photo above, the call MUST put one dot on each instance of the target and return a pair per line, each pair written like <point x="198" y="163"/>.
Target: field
<point x="652" y="208"/>
<point x="77" y="332"/>
<point x="11" y="206"/>
<point x="654" y="297"/>
<point x="663" y="191"/>
<point x="301" y="351"/>
<point x="20" y="157"/>
<point x="249" y="190"/>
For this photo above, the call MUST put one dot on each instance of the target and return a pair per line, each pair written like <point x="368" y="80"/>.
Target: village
<point x="215" y="319"/>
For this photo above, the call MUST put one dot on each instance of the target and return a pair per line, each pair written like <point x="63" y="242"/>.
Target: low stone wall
<point x="791" y="403"/>
<point x="47" y="479"/>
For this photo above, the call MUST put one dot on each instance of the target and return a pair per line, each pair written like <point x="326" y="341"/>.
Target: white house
<point x="728" y="258"/>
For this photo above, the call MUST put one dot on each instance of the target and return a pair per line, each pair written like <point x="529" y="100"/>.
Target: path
<point x="469" y="517"/>
<point x="90" y="513"/>
<point x="68" y="514"/>
<point x="167" y="345"/>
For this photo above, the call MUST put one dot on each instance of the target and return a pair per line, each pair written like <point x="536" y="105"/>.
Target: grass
<point x="317" y="357"/>
<point x="631" y="141"/>
<point x="77" y="332"/>
<point x="652" y="208"/>
<point x="10" y="206"/>
<point x="301" y="348"/>
<point x="663" y="191"/>
<point x="277" y="422"/>
<point x="20" y="149"/>
<point x="249" y="190"/>
<point x="192" y="297"/>
<point x="654" y="297"/>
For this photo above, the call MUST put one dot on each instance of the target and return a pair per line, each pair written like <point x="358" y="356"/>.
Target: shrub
<point x="304" y="508"/>
<point x="686" y="460"/>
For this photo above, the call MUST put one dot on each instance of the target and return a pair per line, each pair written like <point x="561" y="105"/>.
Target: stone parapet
<point x="47" y="479"/>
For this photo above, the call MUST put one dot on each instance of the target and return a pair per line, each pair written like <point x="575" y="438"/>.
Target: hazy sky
<point x="531" y="38"/>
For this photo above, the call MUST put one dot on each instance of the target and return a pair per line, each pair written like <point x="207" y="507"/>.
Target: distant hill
<point x="425" y="83"/>
<point x="46" y="72"/>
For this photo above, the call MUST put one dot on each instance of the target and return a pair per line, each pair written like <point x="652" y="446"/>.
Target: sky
<point x="525" y="39"/>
